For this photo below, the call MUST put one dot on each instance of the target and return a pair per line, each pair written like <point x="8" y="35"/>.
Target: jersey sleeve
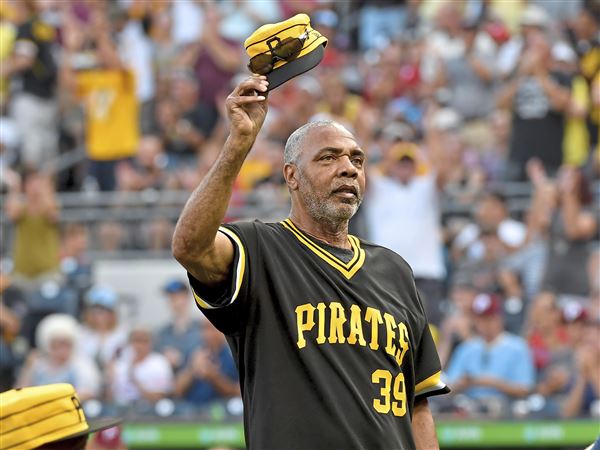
<point x="428" y="369"/>
<point x="224" y="306"/>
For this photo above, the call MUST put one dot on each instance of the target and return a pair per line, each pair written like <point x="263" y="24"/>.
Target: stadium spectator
<point x="533" y="20"/>
<point x="491" y="216"/>
<point x="182" y="335"/>
<point x="469" y="77"/>
<point x="494" y="364"/>
<point x="183" y="122"/>
<point x="584" y="392"/>
<point x="37" y="238"/>
<point x="8" y="33"/>
<point x="538" y="98"/>
<point x="140" y="377"/>
<point x="215" y="58"/>
<point x="457" y="325"/>
<point x="12" y="310"/>
<point x="58" y="361"/>
<point x="103" y="338"/>
<point x="553" y="380"/>
<point x="210" y="373"/>
<point x="108" y="91"/>
<point x="147" y="170"/>
<point x="544" y="331"/>
<point x="412" y="228"/>
<point x="34" y="106"/>
<point x="571" y="226"/>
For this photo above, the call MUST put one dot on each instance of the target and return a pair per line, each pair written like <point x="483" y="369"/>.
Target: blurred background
<point x="480" y="122"/>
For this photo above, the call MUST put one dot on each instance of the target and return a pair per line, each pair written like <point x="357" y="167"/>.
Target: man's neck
<point x="333" y="233"/>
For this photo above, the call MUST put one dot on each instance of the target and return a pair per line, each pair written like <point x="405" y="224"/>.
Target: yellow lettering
<point x="321" y="336"/>
<point x="374" y="316"/>
<point x="390" y="324"/>
<point x="338" y="318"/>
<point x="305" y="321"/>
<point x="356" y="330"/>
<point x="403" y="340"/>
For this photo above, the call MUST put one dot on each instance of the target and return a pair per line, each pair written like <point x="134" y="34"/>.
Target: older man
<point x="328" y="332"/>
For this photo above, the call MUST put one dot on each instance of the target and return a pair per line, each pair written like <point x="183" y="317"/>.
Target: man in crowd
<point x="494" y="364"/>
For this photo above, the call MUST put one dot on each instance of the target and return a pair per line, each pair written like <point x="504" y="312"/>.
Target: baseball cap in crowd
<point x="34" y="417"/>
<point x="174" y="285"/>
<point x="534" y="16"/>
<point x="486" y="305"/>
<point x="404" y="151"/>
<point x="102" y="296"/>
<point x="285" y="49"/>
<point x="574" y="311"/>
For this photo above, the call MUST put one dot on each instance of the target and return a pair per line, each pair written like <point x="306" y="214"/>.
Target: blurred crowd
<point x="453" y="101"/>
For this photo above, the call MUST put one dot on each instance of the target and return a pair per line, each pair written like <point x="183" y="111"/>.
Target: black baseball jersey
<point x="332" y="346"/>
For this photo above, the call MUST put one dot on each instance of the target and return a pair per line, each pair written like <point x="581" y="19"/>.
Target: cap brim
<point x="95" y="425"/>
<point x="295" y="67"/>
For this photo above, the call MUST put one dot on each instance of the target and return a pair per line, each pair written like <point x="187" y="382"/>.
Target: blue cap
<point x="102" y="296"/>
<point x="175" y="285"/>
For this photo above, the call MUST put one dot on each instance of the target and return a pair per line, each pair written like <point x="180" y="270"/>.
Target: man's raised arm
<point x="197" y="245"/>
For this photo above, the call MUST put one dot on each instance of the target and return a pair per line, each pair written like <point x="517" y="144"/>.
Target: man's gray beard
<point x="325" y="210"/>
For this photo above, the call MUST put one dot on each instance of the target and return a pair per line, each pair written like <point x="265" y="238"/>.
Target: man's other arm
<point x="197" y="245"/>
<point x="423" y="427"/>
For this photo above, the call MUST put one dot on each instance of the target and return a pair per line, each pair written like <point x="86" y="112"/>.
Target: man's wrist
<point x="240" y="143"/>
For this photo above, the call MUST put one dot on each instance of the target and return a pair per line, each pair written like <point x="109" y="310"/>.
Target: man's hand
<point x="247" y="108"/>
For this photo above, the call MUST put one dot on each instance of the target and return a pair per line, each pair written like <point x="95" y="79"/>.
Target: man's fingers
<point x="256" y="83"/>
<point x="246" y="99"/>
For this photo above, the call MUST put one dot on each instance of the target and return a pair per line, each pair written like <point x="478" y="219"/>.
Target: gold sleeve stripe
<point x="239" y="275"/>
<point x="433" y="383"/>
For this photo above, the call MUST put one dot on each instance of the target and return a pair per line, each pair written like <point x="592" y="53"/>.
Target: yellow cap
<point x="309" y="56"/>
<point x="33" y="416"/>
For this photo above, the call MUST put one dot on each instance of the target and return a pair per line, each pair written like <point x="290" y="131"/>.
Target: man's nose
<point x="346" y="168"/>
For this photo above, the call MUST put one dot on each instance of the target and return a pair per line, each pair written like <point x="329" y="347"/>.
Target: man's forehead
<point x="328" y="135"/>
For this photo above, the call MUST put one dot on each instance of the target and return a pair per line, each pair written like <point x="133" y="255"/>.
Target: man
<point x="181" y="336"/>
<point x="210" y="373"/>
<point x="328" y="332"/>
<point x="495" y="364"/>
<point x="107" y="90"/>
<point x="140" y="377"/>
<point x="538" y="97"/>
<point x="34" y="105"/>
<point x="491" y="214"/>
<point x="412" y="226"/>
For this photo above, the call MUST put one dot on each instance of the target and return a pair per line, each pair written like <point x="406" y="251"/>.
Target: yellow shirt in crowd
<point x="112" y="123"/>
<point x="7" y="40"/>
<point x="36" y="249"/>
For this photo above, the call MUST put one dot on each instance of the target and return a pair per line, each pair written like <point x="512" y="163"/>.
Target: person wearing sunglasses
<point x="328" y="332"/>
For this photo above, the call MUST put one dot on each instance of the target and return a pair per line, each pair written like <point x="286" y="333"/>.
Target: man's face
<point x="179" y="302"/>
<point x="488" y="326"/>
<point x="404" y="170"/>
<point x="329" y="175"/>
<point x="490" y="213"/>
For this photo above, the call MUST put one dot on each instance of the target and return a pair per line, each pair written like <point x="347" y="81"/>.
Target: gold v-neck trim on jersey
<point x="347" y="269"/>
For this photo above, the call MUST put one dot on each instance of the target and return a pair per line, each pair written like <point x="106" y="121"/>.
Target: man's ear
<point x="290" y="173"/>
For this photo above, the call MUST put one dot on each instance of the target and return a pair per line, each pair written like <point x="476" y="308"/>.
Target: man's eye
<point x="328" y="158"/>
<point x="357" y="161"/>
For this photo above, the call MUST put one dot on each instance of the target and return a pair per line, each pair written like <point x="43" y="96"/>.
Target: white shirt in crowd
<point x="103" y="348"/>
<point x="153" y="374"/>
<point x="511" y="233"/>
<point x="406" y="219"/>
